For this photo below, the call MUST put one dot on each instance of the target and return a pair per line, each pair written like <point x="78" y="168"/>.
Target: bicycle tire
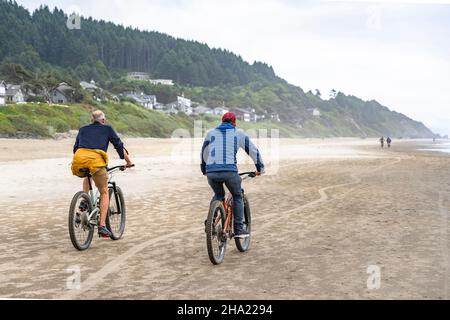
<point x="243" y="245"/>
<point x="214" y="233"/>
<point x="116" y="235"/>
<point x="72" y="221"/>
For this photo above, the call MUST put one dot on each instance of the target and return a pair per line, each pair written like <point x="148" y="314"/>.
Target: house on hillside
<point x="182" y="105"/>
<point x="164" y="82"/>
<point x="63" y="93"/>
<point x="257" y="117"/>
<point x="2" y="93"/>
<point x="220" y="111"/>
<point x="202" y="110"/>
<point x="138" y="76"/>
<point x="158" y="106"/>
<point x="97" y="92"/>
<point x="314" y="111"/>
<point x="14" y="93"/>
<point x="275" y="117"/>
<point x="171" y="108"/>
<point x="90" y="86"/>
<point x="147" y="101"/>
<point x="243" y="114"/>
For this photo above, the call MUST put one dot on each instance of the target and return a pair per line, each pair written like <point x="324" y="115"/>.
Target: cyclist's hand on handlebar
<point x="129" y="164"/>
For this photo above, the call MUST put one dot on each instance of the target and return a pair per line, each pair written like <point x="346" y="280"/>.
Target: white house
<point x="14" y="93"/>
<point x="182" y="105"/>
<point x="220" y="111"/>
<point x="202" y="110"/>
<point x="138" y="76"/>
<point x="185" y="102"/>
<point x="143" y="76"/>
<point x="147" y="101"/>
<point x="316" y="112"/>
<point x="2" y="93"/>
<point x="164" y="82"/>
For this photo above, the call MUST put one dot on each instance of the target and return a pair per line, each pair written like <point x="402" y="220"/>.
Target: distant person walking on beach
<point x="382" y="142"/>
<point x="389" y="141"/>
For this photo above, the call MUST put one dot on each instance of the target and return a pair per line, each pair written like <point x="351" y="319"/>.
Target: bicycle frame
<point x="229" y="209"/>
<point x="95" y="195"/>
<point x="229" y="213"/>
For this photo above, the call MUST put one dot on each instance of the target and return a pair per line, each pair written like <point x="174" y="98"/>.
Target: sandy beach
<point x="326" y="212"/>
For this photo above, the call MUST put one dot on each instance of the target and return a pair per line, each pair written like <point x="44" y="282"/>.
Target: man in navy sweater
<point x="89" y="151"/>
<point x="219" y="163"/>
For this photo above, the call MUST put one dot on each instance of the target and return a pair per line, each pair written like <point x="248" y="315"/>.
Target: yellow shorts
<point x="94" y="160"/>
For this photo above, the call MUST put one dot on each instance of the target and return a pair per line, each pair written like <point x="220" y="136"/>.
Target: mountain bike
<point x="219" y="225"/>
<point x="84" y="212"/>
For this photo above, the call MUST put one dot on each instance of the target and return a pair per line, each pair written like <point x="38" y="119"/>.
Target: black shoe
<point x="241" y="234"/>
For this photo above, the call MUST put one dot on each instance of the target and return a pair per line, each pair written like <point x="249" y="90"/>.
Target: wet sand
<point x="327" y="210"/>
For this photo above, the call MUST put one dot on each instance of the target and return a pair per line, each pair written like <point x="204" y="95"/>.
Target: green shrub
<point x="5" y="125"/>
<point x="37" y="99"/>
<point x="25" y="124"/>
<point x="59" y="125"/>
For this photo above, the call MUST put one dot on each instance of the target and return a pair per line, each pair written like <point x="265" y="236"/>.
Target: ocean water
<point x="438" y="147"/>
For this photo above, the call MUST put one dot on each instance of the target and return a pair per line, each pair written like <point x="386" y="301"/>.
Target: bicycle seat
<point x="85" y="171"/>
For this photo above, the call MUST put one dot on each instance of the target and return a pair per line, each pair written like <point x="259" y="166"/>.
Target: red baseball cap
<point x="229" y="117"/>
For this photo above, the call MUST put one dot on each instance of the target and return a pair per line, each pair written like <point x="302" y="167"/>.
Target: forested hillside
<point x="38" y="51"/>
<point x="43" y="36"/>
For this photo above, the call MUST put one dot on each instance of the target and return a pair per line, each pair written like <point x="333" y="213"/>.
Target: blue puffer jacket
<point x="221" y="146"/>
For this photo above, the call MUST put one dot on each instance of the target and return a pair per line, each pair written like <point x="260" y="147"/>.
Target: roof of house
<point x="134" y="94"/>
<point x="201" y="109"/>
<point x="87" y="85"/>
<point x="13" y="89"/>
<point x="64" y="89"/>
<point x="243" y="110"/>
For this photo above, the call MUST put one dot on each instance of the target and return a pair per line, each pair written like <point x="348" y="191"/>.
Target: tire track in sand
<point x="97" y="277"/>
<point x="307" y="216"/>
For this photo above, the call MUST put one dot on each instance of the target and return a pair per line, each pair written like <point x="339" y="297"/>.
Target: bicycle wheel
<point x="244" y="244"/>
<point x="116" y="218"/>
<point x="80" y="230"/>
<point x="216" y="242"/>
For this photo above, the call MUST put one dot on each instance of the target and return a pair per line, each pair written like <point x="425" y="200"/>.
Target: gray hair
<point x="98" y="115"/>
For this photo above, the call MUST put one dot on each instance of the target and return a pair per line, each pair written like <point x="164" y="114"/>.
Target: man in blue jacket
<point x="219" y="163"/>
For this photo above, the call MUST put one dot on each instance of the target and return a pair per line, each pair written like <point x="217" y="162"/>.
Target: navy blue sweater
<point x="98" y="136"/>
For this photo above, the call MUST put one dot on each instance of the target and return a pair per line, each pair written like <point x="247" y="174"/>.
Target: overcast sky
<point x="396" y="52"/>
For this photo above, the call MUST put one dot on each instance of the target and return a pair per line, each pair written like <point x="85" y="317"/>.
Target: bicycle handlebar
<point x="250" y="174"/>
<point x="121" y="168"/>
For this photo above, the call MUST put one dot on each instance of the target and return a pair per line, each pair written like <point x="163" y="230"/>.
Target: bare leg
<point x="101" y="181"/>
<point x="85" y="185"/>
<point x="104" y="204"/>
